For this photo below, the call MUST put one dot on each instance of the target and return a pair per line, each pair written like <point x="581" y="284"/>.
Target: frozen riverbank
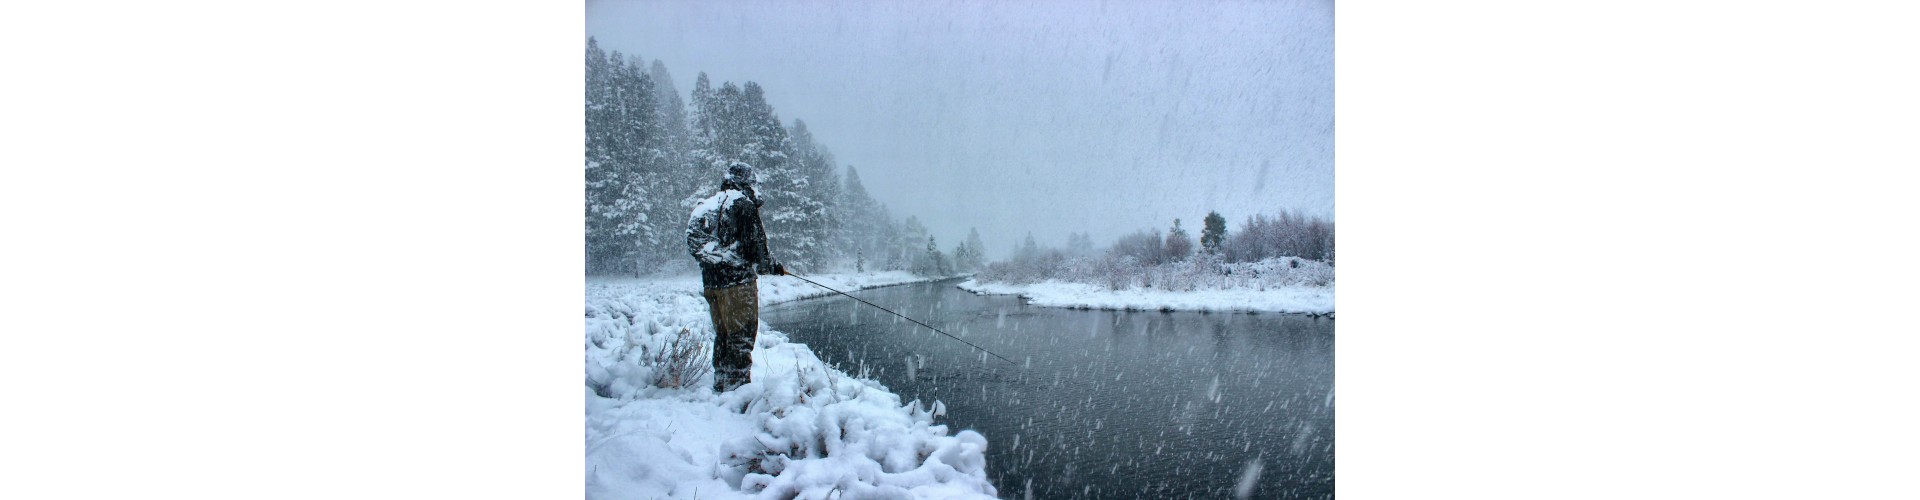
<point x="801" y="429"/>
<point x="1054" y="293"/>
<point x="1202" y="283"/>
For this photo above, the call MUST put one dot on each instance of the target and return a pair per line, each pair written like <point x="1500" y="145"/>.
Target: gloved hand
<point x="780" y="269"/>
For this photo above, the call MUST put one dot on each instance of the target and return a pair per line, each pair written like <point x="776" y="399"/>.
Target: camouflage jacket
<point x="725" y="235"/>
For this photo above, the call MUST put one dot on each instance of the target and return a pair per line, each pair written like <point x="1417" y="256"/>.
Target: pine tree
<point x="723" y="117"/>
<point x="682" y="175"/>
<point x="976" y="251"/>
<point x="932" y="262"/>
<point x="701" y="164"/>
<point x="631" y="166"/>
<point x="1178" y="245"/>
<point x="699" y="112"/>
<point x="673" y="112"/>
<point x="605" y="174"/>
<point x="640" y="149"/>
<point x="904" y="253"/>
<point x="1213" y="233"/>
<point x="763" y="140"/>
<point x="716" y="136"/>
<point x="960" y="257"/>
<point x="886" y="238"/>
<point x="865" y="222"/>
<point x="751" y="132"/>
<point x="823" y="184"/>
<point x="1080" y="244"/>
<point x="808" y="190"/>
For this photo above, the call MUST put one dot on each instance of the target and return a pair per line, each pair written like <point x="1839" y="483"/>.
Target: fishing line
<point x="915" y="321"/>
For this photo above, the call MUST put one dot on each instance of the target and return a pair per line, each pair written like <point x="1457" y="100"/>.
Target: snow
<point x="711" y="252"/>
<point x="1249" y="477"/>
<point x="1055" y="293"/>
<point x="801" y="429"/>
<point x="714" y="203"/>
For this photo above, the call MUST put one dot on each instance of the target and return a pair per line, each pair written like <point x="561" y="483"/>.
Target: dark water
<point x="1103" y="404"/>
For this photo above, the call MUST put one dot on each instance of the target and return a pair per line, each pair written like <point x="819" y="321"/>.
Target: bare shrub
<point x="1028" y="266"/>
<point x="1200" y="272"/>
<point x="683" y="362"/>
<point x="1145" y="247"/>
<point x="1288" y="234"/>
<point x="1115" y="272"/>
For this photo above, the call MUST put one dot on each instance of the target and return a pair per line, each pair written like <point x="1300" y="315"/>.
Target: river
<point x="1099" y="404"/>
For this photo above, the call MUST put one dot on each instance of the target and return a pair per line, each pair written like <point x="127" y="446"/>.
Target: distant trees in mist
<point x="1260" y="237"/>
<point x="650" y="156"/>
<point x="1286" y="235"/>
<point x="1178" y="246"/>
<point x="1284" y="249"/>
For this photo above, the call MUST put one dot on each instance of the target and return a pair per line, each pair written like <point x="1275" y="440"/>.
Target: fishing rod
<point x="915" y="321"/>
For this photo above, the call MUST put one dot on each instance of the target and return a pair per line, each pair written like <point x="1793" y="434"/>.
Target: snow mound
<point x="801" y="429"/>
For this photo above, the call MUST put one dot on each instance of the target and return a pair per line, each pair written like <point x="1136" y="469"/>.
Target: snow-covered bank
<point x="1054" y="293"/>
<point x="801" y="429"/>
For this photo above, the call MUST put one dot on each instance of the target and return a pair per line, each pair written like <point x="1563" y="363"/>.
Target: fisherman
<point x="725" y="235"/>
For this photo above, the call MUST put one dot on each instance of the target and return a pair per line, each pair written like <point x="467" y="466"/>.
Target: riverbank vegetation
<point x="1265" y="252"/>
<point x="802" y="427"/>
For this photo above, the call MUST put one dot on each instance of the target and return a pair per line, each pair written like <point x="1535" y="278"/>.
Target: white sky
<point x="1047" y="117"/>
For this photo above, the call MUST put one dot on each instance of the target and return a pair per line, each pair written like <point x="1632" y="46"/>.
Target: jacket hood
<point x="743" y="188"/>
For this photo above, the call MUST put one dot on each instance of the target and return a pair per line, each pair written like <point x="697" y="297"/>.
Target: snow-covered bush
<point x="1262" y="237"/>
<point x="1026" y="267"/>
<point x="684" y="361"/>
<point x="1115" y="273"/>
<point x="800" y="429"/>
<point x="1196" y="273"/>
<point x="1145" y="247"/>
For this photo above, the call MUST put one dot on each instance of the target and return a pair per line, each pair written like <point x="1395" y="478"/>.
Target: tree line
<point x="651" y="156"/>
<point x="1262" y="244"/>
<point x="1259" y="238"/>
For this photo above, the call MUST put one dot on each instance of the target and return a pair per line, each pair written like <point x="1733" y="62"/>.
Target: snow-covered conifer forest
<point x="651" y="155"/>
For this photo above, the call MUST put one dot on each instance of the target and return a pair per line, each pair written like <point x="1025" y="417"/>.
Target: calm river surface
<point x="1101" y="404"/>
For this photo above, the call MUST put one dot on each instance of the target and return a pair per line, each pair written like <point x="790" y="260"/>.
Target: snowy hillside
<point x="801" y="430"/>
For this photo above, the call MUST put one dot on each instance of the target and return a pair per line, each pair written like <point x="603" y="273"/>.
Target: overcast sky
<point x="1047" y="117"/>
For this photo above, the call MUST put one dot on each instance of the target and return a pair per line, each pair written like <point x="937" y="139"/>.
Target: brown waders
<point x="736" y="322"/>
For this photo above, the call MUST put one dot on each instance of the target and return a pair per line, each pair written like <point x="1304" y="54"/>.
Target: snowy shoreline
<point x="1311" y="300"/>
<point x="801" y="428"/>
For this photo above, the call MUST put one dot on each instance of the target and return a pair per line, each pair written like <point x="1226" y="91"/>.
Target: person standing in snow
<point x="725" y="235"/>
